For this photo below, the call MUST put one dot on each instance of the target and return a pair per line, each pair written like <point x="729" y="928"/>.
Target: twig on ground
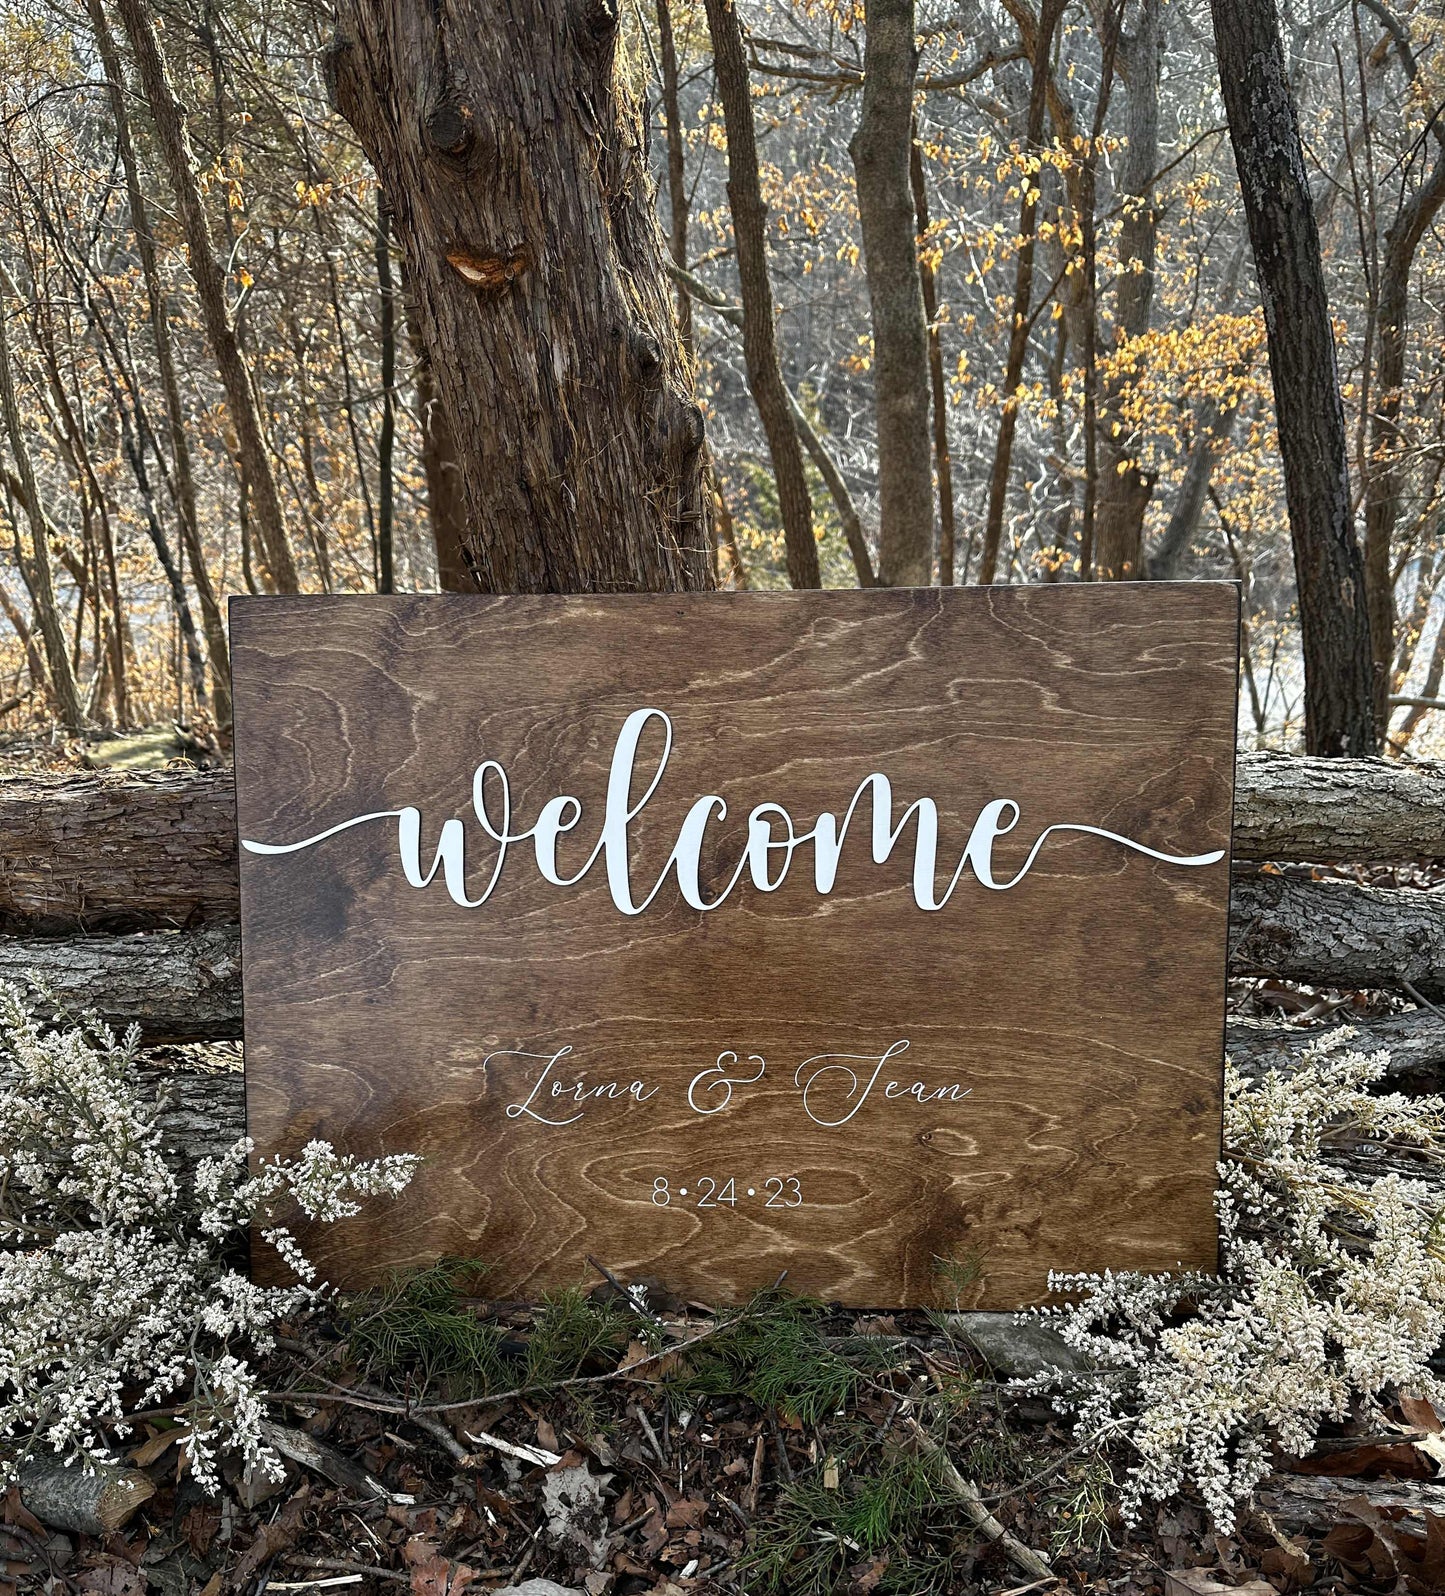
<point x="625" y="1292"/>
<point x="966" y="1493"/>
<point x="650" y="1433"/>
<point x="538" y="1456"/>
<point x="340" y="1565"/>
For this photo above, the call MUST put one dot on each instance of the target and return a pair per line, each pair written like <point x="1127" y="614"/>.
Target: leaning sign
<point x="717" y="936"/>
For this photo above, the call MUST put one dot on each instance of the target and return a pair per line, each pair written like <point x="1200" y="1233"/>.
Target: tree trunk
<point x="1384" y="482"/>
<point x="1214" y="425"/>
<point x="1434" y="674"/>
<point x="1112" y="21"/>
<point x="760" y="350"/>
<point x="1020" y="322"/>
<point x="176" y="422"/>
<point x="1124" y="489"/>
<point x="36" y="571"/>
<point x="519" y="191"/>
<point x="1329" y="572"/>
<point x="881" y="148"/>
<point x="852" y="522"/>
<point x="677" y="204"/>
<point x="169" y="118"/>
<point x="1415" y="1041"/>
<point x="942" y="454"/>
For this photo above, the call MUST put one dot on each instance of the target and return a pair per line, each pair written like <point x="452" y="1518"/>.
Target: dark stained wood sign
<point x="724" y="934"/>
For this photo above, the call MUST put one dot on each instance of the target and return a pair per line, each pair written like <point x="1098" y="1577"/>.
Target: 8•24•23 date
<point x="777" y="1191"/>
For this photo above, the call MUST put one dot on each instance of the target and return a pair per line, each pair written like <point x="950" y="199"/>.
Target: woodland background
<point x="137" y="494"/>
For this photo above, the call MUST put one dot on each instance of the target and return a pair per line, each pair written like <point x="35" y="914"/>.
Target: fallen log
<point x="1414" y="1040"/>
<point x="117" y="852"/>
<point x="186" y="985"/>
<point x="1326" y="810"/>
<point x="158" y="850"/>
<point x="178" y="986"/>
<point x="1309" y="1502"/>
<point x="1338" y="934"/>
<point x="98" y="1502"/>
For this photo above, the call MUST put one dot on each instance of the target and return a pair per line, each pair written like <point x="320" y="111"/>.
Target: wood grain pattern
<point x="1082" y="1010"/>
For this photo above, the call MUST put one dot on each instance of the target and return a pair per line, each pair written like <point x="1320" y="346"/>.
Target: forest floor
<point x="654" y="1447"/>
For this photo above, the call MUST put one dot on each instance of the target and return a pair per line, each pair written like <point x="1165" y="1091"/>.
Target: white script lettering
<point x="766" y="858"/>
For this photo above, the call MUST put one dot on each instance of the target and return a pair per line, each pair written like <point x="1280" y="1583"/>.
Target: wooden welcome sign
<point x="728" y="934"/>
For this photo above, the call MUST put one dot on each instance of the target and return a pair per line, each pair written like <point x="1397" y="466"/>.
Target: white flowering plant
<point x="1331" y="1288"/>
<point x="119" y="1288"/>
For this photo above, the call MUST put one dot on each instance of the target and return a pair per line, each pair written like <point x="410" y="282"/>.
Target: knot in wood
<point x="596" y="21"/>
<point x="693" y="428"/>
<point x="646" y="354"/>
<point x="449" y="128"/>
<point x="488" y="274"/>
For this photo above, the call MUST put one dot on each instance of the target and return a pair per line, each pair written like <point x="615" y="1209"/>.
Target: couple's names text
<point x="831" y="1087"/>
<point x="773" y="839"/>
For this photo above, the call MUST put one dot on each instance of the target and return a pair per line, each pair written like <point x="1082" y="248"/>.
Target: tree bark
<point x="881" y="149"/>
<point x="519" y="191"/>
<point x="1414" y="1040"/>
<point x="1317" y="1503"/>
<point x="117" y="852"/>
<point x="98" y="1502"/>
<point x="1329" y="571"/>
<point x="1020" y="322"/>
<point x="386" y="441"/>
<point x="760" y="349"/>
<point x="1384" y="482"/>
<point x="942" y="454"/>
<point x="169" y="117"/>
<point x="1338" y="809"/>
<point x="158" y="303"/>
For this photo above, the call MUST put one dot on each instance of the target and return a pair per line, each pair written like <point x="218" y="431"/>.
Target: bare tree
<point x="1124" y="489"/>
<point x="1021" y="319"/>
<point x="677" y="202"/>
<point x="942" y="453"/>
<point x="760" y="348"/>
<point x="1384" y="484"/>
<point x="183" y="472"/>
<point x="37" y="570"/>
<point x="881" y="149"/>
<point x="175" y="145"/>
<point x="1329" y="572"/>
